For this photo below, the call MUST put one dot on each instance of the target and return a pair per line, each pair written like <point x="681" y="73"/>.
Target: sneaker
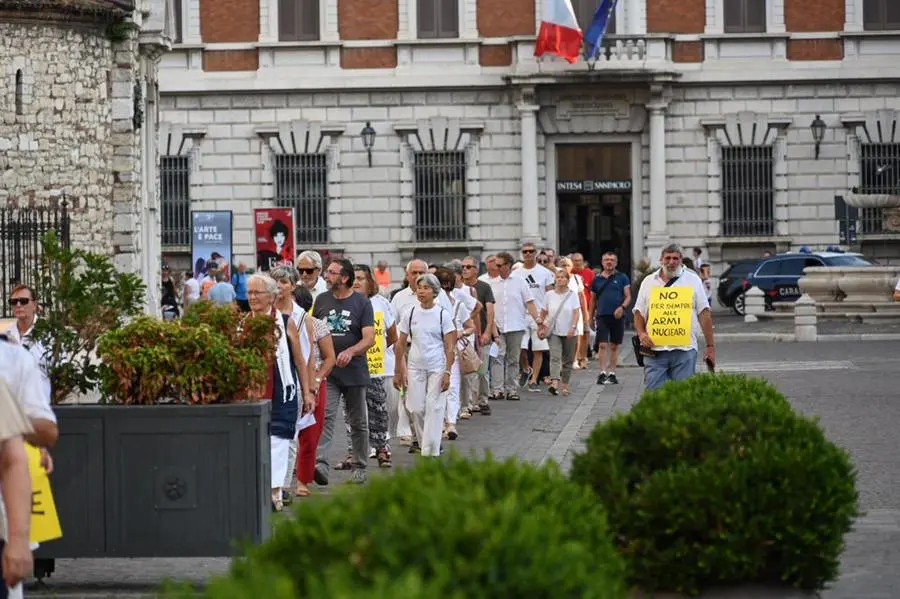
<point x="601" y="380"/>
<point x="465" y="414"/>
<point x="452" y="435"/>
<point x="358" y="476"/>
<point x="474" y="409"/>
<point x="524" y="376"/>
<point x="485" y="410"/>
<point x="320" y="476"/>
<point x="611" y="379"/>
<point x="371" y="453"/>
<point x="534" y="388"/>
<point x="414" y="447"/>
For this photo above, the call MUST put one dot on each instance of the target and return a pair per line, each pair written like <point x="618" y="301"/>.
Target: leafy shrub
<point x="215" y="354"/>
<point x="83" y="296"/>
<point x="473" y="529"/>
<point x="717" y="480"/>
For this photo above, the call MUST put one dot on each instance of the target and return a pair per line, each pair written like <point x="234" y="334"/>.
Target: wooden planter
<point x="161" y="481"/>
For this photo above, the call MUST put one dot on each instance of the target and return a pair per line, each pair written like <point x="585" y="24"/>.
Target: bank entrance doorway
<point x="593" y="191"/>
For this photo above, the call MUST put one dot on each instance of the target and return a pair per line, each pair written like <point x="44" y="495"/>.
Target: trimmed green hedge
<point x="717" y="480"/>
<point x="447" y="528"/>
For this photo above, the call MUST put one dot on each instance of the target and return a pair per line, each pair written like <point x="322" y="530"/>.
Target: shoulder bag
<point x="546" y="330"/>
<point x="469" y="360"/>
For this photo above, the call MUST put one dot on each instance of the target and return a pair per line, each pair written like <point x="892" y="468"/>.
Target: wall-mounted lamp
<point x="368" y="137"/>
<point x="818" y="127"/>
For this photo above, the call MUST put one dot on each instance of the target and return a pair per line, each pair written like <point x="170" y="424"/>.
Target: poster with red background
<point x="275" y="237"/>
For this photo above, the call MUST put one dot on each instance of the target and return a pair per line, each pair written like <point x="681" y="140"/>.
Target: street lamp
<point x="368" y="137"/>
<point x="818" y="127"/>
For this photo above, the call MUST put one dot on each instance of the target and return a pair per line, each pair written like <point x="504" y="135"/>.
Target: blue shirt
<point x="239" y="282"/>
<point x="222" y="293"/>
<point x="610" y="292"/>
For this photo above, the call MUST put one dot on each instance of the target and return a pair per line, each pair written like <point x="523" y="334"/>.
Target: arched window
<point x="19" y="92"/>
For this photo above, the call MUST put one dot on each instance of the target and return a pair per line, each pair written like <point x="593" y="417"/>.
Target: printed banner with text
<point x="44" y="518"/>
<point x="211" y="242"/>
<point x="376" y="352"/>
<point x="275" y="237"/>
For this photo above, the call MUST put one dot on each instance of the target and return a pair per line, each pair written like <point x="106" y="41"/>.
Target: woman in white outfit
<point x="462" y="322"/>
<point x="561" y="315"/>
<point x="426" y="374"/>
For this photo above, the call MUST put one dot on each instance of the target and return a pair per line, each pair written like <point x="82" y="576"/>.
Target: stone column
<point x="530" y="216"/>
<point x="657" y="237"/>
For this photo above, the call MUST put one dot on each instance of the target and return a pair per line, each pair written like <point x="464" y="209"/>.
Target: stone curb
<point x="791" y="338"/>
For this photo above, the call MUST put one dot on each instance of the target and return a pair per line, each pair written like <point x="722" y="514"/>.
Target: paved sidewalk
<point x="851" y="387"/>
<point x="731" y="324"/>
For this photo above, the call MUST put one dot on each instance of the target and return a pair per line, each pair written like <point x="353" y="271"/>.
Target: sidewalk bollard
<point x="805" y="318"/>
<point x="754" y="304"/>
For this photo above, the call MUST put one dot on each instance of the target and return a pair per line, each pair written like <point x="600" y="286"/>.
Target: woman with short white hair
<point x="284" y="386"/>
<point x="425" y="377"/>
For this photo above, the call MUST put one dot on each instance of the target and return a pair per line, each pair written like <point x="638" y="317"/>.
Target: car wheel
<point x="738" y="306"/>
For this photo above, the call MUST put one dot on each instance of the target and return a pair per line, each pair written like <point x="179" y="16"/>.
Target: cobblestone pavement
<point x="851" y="387"/>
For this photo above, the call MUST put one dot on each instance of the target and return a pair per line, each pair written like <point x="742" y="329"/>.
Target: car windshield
<point x="847" y="261"/>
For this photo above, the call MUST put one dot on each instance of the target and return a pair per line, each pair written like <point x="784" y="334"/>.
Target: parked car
<point x="732" y="284"/>
<point x="778" y="277"/>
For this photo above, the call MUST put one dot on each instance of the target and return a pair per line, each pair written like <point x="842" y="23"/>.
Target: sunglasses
<point x="306" y="271"/>
<point x="469" y="266"/>
<point x="20" y="301"/>
<point x="528" y="251"/>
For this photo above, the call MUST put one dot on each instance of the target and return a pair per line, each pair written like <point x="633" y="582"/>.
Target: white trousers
<point x="453" y="399"/>
<point x="398" y="419"/>
<point x="427" y="405"/>
<point x="280" y="455"/>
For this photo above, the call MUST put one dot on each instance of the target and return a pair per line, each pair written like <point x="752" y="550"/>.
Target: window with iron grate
<point x="879" y="173"/>
<point x="439" y="179"/>
<point x="175" y="201"/>
<point x="748" y="191"/>
<point x="301" y="183"/>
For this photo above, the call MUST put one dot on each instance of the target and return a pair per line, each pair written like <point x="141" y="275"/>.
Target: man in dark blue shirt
<point x="610" y="299"/>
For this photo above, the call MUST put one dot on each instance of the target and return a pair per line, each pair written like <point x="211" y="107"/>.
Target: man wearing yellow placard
<point x="670" y="312"/>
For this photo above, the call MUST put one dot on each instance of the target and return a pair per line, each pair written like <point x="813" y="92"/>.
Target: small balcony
<point x="617" y="53"/>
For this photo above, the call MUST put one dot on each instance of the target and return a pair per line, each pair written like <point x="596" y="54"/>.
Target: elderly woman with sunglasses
<point x="288" y="383"/>
<point x="431" y="334"/>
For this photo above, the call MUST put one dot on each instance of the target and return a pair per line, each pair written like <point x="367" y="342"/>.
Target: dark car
<point x="733" y="284"/>
<point x="778" y="277"/>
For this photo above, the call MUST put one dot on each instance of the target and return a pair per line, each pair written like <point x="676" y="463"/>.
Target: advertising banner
<point x="211" y="242"/>
<point x="275" y="237"/>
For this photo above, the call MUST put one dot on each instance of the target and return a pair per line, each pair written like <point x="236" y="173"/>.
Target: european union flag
<point x="594" y="34"/>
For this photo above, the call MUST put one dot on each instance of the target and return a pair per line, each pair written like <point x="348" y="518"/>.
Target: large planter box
<point x="161" y="481"/>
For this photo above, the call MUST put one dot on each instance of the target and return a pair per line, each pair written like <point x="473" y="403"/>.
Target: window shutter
<point x="892" y="14"/>
<point x="309" y="20"/>
<point x="734" y="15"/>
<point x="755" y="16"/>
<point x="287" y="21"/>
<point x="872" y="15"/>
<point x="179" y="34"/>
<point x="427" y="17"/>
<point x="448" y="18"/>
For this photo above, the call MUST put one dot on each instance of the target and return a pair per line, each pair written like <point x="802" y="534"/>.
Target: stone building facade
<point x="79" y="118"/>
<point x="693" y="125"/>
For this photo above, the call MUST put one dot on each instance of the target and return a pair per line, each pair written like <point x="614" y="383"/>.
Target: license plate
<point x="788" y="291"/>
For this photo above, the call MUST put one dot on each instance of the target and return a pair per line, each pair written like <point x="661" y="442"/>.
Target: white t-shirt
<point x="687" y="278"/>
<point x="427" y="337"/>
<point x="193" y="287"/>
<point x="36" y="350"/>
<point x="407" y="297"/>
<point x="380" y="305"/>
<point x="464" y="295"/>
<point x="569" y="302"/>
<point x="511" y="297"/>
<point x="537" y="279"/>
<point x="576" y="284"/>
<point x="460" y="312"/>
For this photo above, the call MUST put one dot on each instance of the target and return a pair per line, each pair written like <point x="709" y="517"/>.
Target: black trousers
<point x="4" y="592"/>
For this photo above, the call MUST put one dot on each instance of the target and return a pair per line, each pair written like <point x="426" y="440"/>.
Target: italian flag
<point x="560" y="34"/>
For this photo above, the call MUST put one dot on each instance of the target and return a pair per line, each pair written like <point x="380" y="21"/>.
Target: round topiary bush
<point x="716" y="480"/>
<point x="476" y="529"/>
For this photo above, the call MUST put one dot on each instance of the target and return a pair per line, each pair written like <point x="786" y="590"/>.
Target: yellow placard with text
<point x="44" y="519"/>
<point x="376" y="352"/>
<point x="670" y="316"/>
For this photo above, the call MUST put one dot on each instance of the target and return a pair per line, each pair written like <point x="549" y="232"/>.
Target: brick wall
<point x="676" y="16"/>
<point x="820" y="15"/>
<point x="368" y="19"/>
<point x="502" y="18"/>
<point x="223" y="21"/>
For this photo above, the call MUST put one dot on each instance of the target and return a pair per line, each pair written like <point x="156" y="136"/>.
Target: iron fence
<point x="879" y="174"/>
<point x="21" y="230"/>
<point x="748" y="191"/>
<point x="440" y="196"/>
<point x="175" y="201"/>
<point x="301" y="183"/>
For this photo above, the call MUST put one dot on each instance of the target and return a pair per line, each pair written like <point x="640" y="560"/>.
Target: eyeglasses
<point x="20" y="301"/>
<point x="469" y="266"/>
<point x="306" y="271"/>
<point x="254" y="293"/>
<point x="333" y="273"/>
<point x="543" y="262"/>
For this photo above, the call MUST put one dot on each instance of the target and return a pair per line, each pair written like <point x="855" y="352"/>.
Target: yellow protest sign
<point x="671" y="314"/>
<point x="376" y="352"/>
<point x="44" y="519"/>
